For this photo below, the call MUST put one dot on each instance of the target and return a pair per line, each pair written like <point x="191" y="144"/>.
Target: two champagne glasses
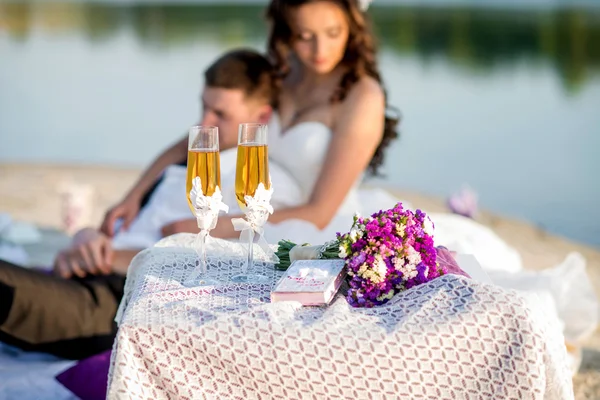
<point x="252" y="173"/>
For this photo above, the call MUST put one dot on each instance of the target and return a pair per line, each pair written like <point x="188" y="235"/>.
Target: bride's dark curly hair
<point x="359" y="58"/>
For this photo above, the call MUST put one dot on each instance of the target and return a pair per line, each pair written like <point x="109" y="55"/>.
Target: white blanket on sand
<point x="30" y="376"/>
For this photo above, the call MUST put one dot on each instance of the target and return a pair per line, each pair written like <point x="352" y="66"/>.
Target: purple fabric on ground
<point x="88" y="378"/>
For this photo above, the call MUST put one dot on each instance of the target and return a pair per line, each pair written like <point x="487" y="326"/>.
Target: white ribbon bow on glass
<point x="206" y="207"/>
<point x="258" y="208"/>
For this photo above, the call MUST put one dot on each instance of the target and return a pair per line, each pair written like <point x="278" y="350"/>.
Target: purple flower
<point x="357" y="261"/>
<point x="421" y="273"/>
<point x="359" y="245"/>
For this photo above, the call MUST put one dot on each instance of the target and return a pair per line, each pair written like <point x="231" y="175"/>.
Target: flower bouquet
<point x="386" y="253"/>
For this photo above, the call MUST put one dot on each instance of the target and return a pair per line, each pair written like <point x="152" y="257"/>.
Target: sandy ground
<point x="32" y="193"/>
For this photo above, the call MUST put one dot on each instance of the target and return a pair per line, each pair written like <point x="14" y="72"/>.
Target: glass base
<point x="249" y="278"/>
<point x="200" y="281"/>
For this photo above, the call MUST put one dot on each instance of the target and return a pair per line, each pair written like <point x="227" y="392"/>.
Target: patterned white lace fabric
<point x="452" y="338"/>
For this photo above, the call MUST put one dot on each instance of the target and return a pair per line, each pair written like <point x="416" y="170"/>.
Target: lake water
<point x="506" y="101"/>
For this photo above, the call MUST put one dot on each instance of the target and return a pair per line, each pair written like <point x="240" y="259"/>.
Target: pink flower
<point x="463" y="202"/>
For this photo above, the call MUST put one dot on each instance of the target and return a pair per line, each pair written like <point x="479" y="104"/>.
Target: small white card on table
<point x="311" y="282"/>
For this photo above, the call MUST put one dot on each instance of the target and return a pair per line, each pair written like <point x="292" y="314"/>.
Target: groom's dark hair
<point x="244" y="69"/>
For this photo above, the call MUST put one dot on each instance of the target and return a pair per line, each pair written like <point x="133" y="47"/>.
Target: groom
<point x="71" y="313"/>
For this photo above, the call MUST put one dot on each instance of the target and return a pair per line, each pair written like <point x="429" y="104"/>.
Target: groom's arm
<point x="122" y="259"/>
<point x="129" y="207"/>
<point x="173" y="155"/>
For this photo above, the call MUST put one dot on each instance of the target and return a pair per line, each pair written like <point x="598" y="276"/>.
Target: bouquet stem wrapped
<point x="289" y="252"/>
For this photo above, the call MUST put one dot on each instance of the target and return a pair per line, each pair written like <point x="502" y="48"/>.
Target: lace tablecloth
<point x="452" y="338"/>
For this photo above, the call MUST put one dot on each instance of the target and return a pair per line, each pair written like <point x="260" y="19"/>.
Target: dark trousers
<point x="68" y="318"/>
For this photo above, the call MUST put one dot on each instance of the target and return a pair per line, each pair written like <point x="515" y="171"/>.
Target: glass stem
<point x="202" y="244"/>
<point x="250" y="251"/>
<point x="200" y="247"/>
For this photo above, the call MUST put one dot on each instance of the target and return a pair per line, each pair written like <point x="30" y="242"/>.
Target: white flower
<point x="400" y="228"/>
<point x="355" y="234"/>
<point x="364" y="4"/>
<point x="428" y="226"/>
<point x="373" y="276"/>
<point x="413" y="257"/>
<point x="407" y="269"/>
<point x="410" y="272"/>
<point x="380" y="266"/>
<point x="377" y="274"/>
<point x="342" y="254"/>
<point x="362" y="269"/>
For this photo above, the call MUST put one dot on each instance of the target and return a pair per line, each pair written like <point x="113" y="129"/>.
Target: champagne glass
<point x="204" y="163"/>
<point x="252" y="169"/>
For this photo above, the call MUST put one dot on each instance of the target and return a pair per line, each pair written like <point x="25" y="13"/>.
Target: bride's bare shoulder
<point x="361" y="112"/>
<point x="366" y="90"/>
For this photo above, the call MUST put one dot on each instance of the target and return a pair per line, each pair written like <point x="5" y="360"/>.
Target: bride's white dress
<point x="296" y="158"/>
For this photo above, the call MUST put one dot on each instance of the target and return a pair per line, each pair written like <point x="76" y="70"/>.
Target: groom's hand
<point x="184" y="225"/>
<point x="91" y="253"/>
<point x="126" y="210"/>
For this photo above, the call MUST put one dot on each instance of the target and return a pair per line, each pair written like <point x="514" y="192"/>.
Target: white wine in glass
<point x="206" y="165"/>
<point x="252" y="169"/>
<point x="203" y="162"/>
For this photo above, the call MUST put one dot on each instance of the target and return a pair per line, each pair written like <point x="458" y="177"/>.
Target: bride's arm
<point x="357" y="132"/>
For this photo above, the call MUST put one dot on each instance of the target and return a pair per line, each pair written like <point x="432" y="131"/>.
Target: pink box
<point x="310" y="282"/>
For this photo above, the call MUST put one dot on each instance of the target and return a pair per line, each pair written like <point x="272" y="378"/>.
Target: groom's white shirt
<point x="169" y="203"/>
